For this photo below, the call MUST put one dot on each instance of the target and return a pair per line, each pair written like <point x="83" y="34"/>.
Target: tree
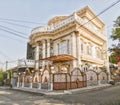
<point x="1" y="75"/>
<point x="112" y="59"/>
<point x="115" y="50"/>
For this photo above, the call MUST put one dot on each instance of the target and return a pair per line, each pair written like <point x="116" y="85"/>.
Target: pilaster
<point x="44" y="51"/>
<point x="78" y="49"/>
<point x="37" y="56"/>
<point x="74" y="48"/>
<point x="48" y="48"/>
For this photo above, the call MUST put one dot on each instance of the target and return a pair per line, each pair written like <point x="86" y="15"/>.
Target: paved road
<point x="109" y="96"/>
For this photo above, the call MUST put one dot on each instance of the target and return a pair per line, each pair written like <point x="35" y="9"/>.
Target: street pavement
<point x="102" y="96"/>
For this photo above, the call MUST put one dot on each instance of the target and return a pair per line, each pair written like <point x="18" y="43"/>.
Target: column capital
<point x="43" y="41"/>
<point x="37" y="43"/>
<point x="48" y="40"/>
<point x="75" y="33"/>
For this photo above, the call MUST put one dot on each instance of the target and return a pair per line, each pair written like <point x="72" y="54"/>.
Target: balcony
<point x="53" y="27"/>
<point x="91" y="59"/>
<point x="26" y="63"/>
<point x="73" y="18"/>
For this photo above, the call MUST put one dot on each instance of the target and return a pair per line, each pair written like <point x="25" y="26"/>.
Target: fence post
<point x="98" y="78"/>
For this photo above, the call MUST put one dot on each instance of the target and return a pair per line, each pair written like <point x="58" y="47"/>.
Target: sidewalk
<point x="59" y="92"/>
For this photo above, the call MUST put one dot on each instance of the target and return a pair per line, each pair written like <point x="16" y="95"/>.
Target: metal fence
<point x="78" y="79"/>
<point x="66" y="81"/>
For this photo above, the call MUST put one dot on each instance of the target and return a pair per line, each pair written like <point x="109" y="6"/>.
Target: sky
<point x="13" y="48"/>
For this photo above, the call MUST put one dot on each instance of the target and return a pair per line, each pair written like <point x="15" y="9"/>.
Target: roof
<point x="60" y="58"/>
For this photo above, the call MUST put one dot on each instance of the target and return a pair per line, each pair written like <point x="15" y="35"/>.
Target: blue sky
<point x="40" y="11"/>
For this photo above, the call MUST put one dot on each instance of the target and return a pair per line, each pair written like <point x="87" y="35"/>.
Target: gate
<point x="77" y="79"/>
<point x="64" y="81"/>
<point x="60" y="81"/>
<point x="103" y="77"/>
<point x="91" y="77"/>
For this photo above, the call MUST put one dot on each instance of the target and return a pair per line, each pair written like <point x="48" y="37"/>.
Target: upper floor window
<point x="63" y="47"/>
<point x="98" y="53"/>
<point x="89" y="49"/>
<point x="82" y="48"/>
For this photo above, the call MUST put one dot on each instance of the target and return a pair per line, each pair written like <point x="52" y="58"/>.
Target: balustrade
<point x="63" y="23"/>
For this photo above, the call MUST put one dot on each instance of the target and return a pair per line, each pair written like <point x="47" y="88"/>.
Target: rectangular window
<point x="81" y="47"/>
<point x="63" y="47"/>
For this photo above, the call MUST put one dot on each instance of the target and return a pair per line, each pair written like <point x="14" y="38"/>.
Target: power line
<point x="20" y="25"/>
<point x="13" y="33"/>
<point x="12" y="30"/>
<point x="8" y="37"/>
<point x="38" y="23"/>
<point x="113" y="4"/>
<point x="21" y="21"/>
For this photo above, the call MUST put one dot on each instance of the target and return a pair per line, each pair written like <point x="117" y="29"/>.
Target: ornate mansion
<point x="78" y="40"/>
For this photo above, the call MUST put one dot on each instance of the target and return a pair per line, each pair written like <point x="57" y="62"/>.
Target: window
<point x="89" y="50"/>
<point x="81" y="47"/>
<point x="63" y="47"/>
<point x="98" y="53"/>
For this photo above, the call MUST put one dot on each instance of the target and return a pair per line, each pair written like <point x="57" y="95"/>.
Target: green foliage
<point x="115" y="49"/>
<point x="3" y="75"/>
<point x="116" y="34"/>
<point x="113" y="59"/>
<point x="117" y="22"/>
<point x="116" y="30"/>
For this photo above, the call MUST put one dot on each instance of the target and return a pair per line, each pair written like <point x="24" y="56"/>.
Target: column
<point x="37" y="56"/>
<point x="51" y="86"/>
<point x="107" y="60"/>
<point x="51" y="81"/>
<point x="98" y="79"/>
<point x="18" y="82"/>
<point x="78" y="50"/>
<point x="74" y="48"/>
<point x="44" y="51"/>
<point x="48" y="48"/>
<point x="40" y="79"/>
<point x="31" y="81"/>
<point x="23" y="81"/>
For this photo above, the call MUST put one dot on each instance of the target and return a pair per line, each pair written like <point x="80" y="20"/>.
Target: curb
<point x="87" y="89"/>
<point x="71" y="91"/>
<point x="34" y="91"/>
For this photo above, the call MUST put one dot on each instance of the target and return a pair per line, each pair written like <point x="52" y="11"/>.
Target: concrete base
<point x="18" y="84"/>
<point x="39" y="86"/>
<point x="22" y="84"/>
<point x="99" y="82"/>
<point x="51" y="86"/>
<point x="31" y="85"/>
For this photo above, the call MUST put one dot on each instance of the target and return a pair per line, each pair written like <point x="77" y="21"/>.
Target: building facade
<point x="81" y="35"/>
